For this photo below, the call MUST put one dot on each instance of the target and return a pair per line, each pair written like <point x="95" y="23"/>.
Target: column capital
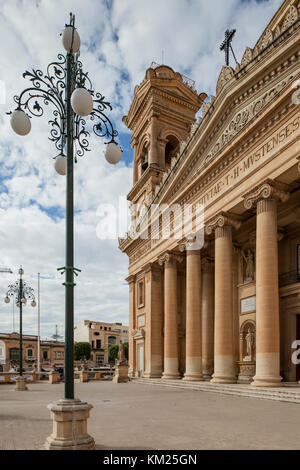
<point x="268" y="189"/>
<point x="130" y="279"/>
<point x="186" y="243"/>
<point x="168" y="257"/>
<point x="223" y="219"/>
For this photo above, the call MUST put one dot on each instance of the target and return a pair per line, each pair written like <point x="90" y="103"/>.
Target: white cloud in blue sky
<point x="120" y="38"/>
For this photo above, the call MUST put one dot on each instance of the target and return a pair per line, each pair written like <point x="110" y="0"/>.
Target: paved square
<point x="138" y="416"/>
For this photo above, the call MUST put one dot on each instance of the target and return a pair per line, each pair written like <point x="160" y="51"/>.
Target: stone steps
<point x="289" y="393"/>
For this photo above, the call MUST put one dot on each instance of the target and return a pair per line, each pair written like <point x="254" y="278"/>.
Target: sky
<point x="119" y="40"/>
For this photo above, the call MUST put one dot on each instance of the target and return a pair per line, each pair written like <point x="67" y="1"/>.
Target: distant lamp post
<point x="70" y="91"/>
<point x="21" y="291"/>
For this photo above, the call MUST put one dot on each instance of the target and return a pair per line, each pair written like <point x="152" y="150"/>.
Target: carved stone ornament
<point x="220" y="221"/>
<point x="225" y="76"/>
<point x="266" y="39"/>
<point x="290" y="18"/>
<point x="266" y="190"/>
<point x="245" y="115"/>
<point x="205" y="107"/>
<point x="138" y="334"/>
<point x="247" y="57"/>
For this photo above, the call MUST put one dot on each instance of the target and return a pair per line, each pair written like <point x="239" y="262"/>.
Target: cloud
<point x="120" y="39"/>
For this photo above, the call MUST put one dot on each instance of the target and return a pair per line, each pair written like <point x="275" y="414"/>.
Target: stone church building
<point x="227" y="310"/>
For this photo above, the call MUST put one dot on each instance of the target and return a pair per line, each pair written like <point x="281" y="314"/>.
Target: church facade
<point x="220" y="300"/>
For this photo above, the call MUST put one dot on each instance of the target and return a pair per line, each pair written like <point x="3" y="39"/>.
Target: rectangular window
<point x="93" y="344"/>
<point x="45" y="354"/>
<point x="14" y="354"/>
<point x="141" y="293"/>
<point x="58" y="355"/>
<point x="29" y="353"/>
<point x="98" y="343"/>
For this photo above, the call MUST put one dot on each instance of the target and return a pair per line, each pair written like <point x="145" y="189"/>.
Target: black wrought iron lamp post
<point x="70" y="91"/>
<point x="21" y="291"/>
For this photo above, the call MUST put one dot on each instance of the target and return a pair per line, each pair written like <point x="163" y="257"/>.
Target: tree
<point x="126" y="349"/>
<point x="81" y="351"/>
<point x="113" y="352"/>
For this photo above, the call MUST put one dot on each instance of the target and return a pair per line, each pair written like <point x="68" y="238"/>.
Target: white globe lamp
<point x="20" y="122"/>
<point x="113" y="153"/>
<point x="71" y="40"/>
<point x="60" y="164"/>
<point x="7" y="300"/>
<point x="82" y="102"/>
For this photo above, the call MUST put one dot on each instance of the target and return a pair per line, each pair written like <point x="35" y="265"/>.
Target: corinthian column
<point x="207" y="318"/>
<point x="169" y="260"/>
<point x="265" y="198"/>
<point x="224" y="370"/>
<point x="193" y="369"/>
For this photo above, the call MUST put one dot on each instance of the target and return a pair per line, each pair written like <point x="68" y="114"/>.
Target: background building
<point x="52" y="352"/>
<point x="100" y="335"/>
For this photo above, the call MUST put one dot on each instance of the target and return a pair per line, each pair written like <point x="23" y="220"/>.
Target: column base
<point x="70" y="426"/>
<point x="207" y="377"/>
<point x="222" y="379"/>
<point x="152" y="375"/>
<point x="193" y="378"/>
<point x="170" y="376"/>
<point x="267" y="382"/>
<point x="21" y="384"/>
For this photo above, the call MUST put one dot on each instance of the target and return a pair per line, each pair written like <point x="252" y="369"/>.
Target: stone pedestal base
<point x="53" y="377"/>
<point x="70" y="426"/>
<point x="21" y="384"/>
<point x="121" y="374"/>
<point x="246" y="372"/>
<point x="84" y="376"/>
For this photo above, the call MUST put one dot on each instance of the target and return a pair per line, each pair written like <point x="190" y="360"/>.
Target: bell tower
<point x="160" y="117"/>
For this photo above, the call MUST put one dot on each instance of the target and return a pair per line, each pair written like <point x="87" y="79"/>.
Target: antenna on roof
<point x="56" y="336"/>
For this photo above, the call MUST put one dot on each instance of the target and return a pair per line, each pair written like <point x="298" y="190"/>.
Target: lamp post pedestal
<point x="21" y="384"/>
<point x="70" y="426"/>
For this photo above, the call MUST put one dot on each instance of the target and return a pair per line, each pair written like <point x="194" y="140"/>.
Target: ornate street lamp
<point x="21" y="291"/>
<point x="68" y="88"/>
